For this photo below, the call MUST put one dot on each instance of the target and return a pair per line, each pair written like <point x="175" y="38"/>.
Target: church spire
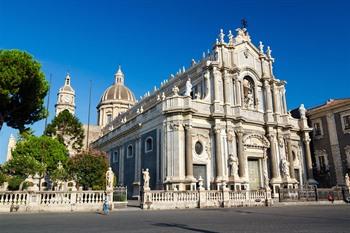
<point x="67" y="81"/>
<point x="119" y="76"/>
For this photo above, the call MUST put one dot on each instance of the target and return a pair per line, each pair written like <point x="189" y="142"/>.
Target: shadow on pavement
<point x="183" y="226"/>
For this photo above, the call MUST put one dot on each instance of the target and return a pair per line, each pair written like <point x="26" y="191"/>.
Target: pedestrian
<point x="330" y="197"/>
<point x="105" y="204"/>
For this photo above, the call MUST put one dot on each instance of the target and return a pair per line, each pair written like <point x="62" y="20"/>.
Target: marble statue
<point x="188" y="87"/>
<point x="109" y="179"/>
<point x="233" y="162"/>
<point x="248" y="94"/>
<point x="302" y="111"/>
<point x="146" y="178"/>
<point x="347" y="180"/>
<point x="285" y="168"/>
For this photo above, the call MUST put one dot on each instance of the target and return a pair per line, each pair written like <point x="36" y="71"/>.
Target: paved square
<point x="300" y="219"/>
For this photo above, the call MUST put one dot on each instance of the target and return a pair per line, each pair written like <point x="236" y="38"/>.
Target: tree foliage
<point x="23" y="88"/>
<point x="60" y="174"/>
<point x="3" y="177"/>
<point x="43" y="150"/>
<point x="89" y="169"/>
<point x="67" y="129"/>
<point x="23" y="166"/>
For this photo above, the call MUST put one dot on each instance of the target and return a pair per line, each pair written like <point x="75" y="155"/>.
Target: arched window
<point x="249" y="92"/>
<point x="129" y="152"/>
<point x="149" y="144"/>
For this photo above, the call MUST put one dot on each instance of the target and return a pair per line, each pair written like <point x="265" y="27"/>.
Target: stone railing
<point x="203" y="199"/>
<point x="53" y="201"/>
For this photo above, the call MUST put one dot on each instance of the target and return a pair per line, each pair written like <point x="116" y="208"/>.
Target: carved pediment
<point x="256" y="141"/>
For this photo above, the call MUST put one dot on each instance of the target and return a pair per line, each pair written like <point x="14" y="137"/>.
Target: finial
<point x="261" y="47"/>
<point x="193" y="62"/>
<point x="119" y="75"/>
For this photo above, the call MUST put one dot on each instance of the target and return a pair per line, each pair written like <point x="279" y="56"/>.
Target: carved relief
<point x="201" y="154"/>
<point x="175" y="126"/>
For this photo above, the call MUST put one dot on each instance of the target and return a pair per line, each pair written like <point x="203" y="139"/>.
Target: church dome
<point x="116" y="99"/>
<point x="118" y="92"/>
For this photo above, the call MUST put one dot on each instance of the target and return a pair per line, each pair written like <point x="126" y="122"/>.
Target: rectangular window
<point x="322" y="163"/>
<point x="317" y="129"/>
<point x="346" y="122"/>
<point x="115" y="157"/>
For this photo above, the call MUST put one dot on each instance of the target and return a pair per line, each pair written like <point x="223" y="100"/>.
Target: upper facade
<point x="66" y="97"/>
<point x="235" y="80"/>
<point x="331" y="140"/>
<point x="116" y="99"/>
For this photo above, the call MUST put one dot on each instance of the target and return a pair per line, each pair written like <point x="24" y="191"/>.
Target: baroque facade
<point x="331" y="141"/>
<point x="223" y="119"/>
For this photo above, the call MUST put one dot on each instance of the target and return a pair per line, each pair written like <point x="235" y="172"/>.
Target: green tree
<point x="60" y="173"/>
<point x="67" y="129"/>
<point x="23" y="166"/>
<point x="23" y="88"/>
<point x="89" y="169"/>
<point x="3" y="177"/>
<point x="45" y="150"/>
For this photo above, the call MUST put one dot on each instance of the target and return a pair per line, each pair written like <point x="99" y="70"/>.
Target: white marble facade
<point x="231" y="128"/>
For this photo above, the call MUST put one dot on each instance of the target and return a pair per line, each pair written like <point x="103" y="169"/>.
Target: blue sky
<point x="152" y="39"/>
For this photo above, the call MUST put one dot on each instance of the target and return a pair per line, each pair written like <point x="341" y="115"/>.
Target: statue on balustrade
<point x="188" y="87"/>
<point x="109" y="179"/>
<point x="146" y="178"/>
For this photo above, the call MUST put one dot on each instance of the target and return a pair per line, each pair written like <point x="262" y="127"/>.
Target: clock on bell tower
<point x="65" y="97"/>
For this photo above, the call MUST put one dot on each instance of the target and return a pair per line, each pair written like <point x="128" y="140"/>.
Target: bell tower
<point x="66" y="97"/>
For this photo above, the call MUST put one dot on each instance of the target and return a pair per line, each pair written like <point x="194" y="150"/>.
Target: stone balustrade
<point x="53" y="201"/>
<point x="203" y="199"/>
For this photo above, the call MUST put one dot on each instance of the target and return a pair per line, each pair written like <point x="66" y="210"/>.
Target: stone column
<point x="216" y="85"/>
<point x="275" y="99"/>
<point x="290" y="158"/>
<point x="310" y="174"/>
<point x="188" y="146"/>
<point x="227" y="87"/>
<point x="218" y="154"/>
<point x="241" y="158"/>
<point x="238" y="92"/>
<point x="274" y="167"/>
<point x="268" y="96"/>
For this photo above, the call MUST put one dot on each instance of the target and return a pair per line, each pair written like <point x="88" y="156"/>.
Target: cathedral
<point x="223" y="119"/>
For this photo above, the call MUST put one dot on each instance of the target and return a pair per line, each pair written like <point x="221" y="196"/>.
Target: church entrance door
<point x="254" y="174"/>
<point x="200" y="170"/>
